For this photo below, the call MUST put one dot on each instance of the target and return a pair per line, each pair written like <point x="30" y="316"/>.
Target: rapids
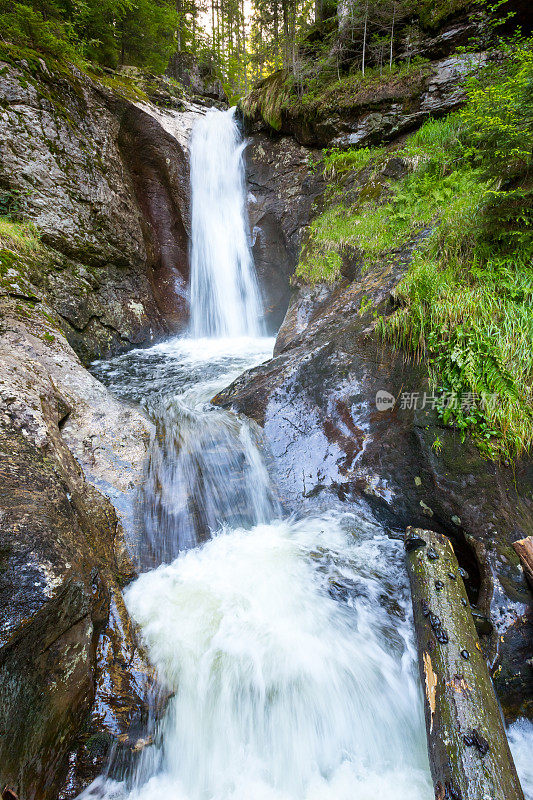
<point x="285" y="641"/>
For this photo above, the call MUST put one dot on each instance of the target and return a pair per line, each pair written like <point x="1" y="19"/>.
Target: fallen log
<point x="524" y="549"/>
<point x="468" y="749"/>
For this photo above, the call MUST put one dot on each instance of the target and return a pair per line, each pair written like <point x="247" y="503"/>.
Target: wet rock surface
<point x="282" y="189"/>
<point x="66" y="641"/>
<point x="387" y="110"/>
<point x="106" y="187"/>
<point x="316" y="401"/>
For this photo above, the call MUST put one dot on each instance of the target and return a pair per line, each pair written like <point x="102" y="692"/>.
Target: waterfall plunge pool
<point x="286" y="644"/>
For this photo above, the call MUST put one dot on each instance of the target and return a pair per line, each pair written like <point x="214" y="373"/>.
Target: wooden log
<point x="524" y="548"/>
<point x="468" y="749"/>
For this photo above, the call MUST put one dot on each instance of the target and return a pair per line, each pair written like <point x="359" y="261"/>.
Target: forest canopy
<point x="242" y="41"/>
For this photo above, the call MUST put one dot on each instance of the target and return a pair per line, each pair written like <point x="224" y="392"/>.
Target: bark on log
<point x="468" y="749"/>
<point x="524" y="548"/>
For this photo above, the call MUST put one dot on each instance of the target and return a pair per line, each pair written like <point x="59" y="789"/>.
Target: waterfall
<point x="225" y="298"/>
<point x="286" y="644"/>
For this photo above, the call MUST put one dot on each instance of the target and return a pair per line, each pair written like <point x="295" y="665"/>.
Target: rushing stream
<point x="286" y="642"/>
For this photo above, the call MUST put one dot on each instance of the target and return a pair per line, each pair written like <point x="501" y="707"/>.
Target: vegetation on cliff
<point x="464" y="203"/>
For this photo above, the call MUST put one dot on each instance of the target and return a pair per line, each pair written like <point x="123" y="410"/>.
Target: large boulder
<point x="333" y="442"/>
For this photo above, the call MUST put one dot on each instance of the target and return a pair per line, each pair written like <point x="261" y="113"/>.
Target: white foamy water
<point x="520" y="736"/>
<point x="281" y="690"/>
<point x="288" y="648"/>
<point x="286" y="644"/>
<point x="225" y="297"/>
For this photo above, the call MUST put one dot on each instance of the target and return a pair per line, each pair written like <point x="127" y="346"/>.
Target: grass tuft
<point x="21" y="237"/>
<point x="465" y="305"/>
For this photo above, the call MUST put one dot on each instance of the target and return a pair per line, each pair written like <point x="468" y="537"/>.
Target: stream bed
<point x="286" y="641"/>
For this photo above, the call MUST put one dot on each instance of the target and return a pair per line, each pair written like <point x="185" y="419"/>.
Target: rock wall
<point x="63" y="554"/>
<point x="282" y="187"/>
<point x="106" y="186"/>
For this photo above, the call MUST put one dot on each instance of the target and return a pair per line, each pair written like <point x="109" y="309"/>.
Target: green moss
<point x="465" y="304"/>
<point x="123" y="85"/>
<point x="269" y="98"/>
<point x="433" y="12"/>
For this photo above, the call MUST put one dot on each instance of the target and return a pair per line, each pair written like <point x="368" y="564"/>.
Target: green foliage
<point x="25" y="25"/>
<point x="269" y="98"/>
<point x="319" y="265"/>
<point x="498" y="119"/>
<point x="476" y="336"/>
<point x="21" y="237"/>
<point x="108" y="32"/>
<point x="465" y="306"/>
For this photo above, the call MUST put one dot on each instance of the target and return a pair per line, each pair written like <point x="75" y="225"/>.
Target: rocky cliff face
<point x="282" y="187"/>
<point x="106" y="186"/>
<point x="63" y="554"/>
<point x="361" y="114"/>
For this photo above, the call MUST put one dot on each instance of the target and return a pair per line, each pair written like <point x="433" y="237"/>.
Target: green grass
<point x="465" y="305"/>
<point x="337" y="161"/>
<point x="20" y="237"/>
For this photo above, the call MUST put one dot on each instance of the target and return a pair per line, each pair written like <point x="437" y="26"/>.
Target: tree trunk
<point x="468" y="750"/>
<point x="524" y="548"/>
<point x="364" y="40"/>
<point x="179" y="10"/>
<point x="392" y="36"/>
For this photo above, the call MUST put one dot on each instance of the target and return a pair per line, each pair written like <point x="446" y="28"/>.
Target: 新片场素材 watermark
<point x="454" y="401"/>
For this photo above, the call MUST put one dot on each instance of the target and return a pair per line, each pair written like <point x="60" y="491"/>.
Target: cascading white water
<point x="225" y="297"/>
<point x="286" y="644"/>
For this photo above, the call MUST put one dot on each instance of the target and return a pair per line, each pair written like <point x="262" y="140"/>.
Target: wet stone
<point x="474" y="739"/>
<point x="452" y="791"/>
<point x="432" y="554"/>
<point x="465" y="654"/>
<point x="439" y="585"/>
<point x="413" y="543"/>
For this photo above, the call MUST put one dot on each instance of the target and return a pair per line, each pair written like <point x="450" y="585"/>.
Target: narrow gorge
<point x="218" y="418"/>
